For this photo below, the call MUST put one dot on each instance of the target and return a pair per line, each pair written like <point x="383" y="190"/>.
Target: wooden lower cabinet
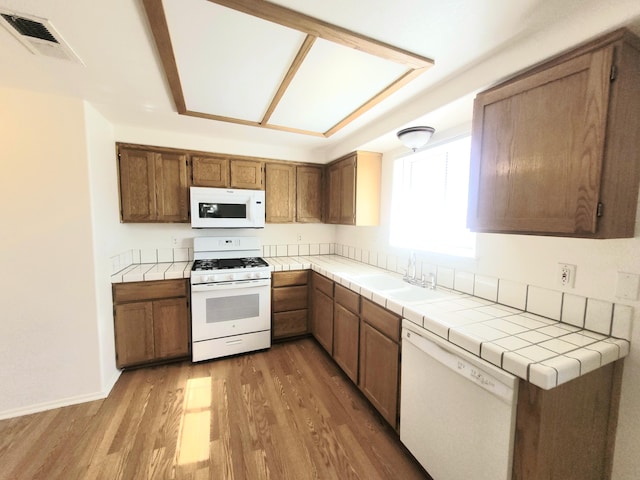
<point x="322" y="311"/>
<point x="379" y="374"/>
<point x="346" y="331"/>
<point x="568" y="432"/>
<point x="148" y="326"/>
<point x="289" y="304"/>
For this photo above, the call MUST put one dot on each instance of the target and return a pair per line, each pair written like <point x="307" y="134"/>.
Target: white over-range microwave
<point x="226" y="208"/>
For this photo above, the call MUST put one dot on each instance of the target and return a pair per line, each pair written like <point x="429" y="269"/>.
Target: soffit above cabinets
<point x="257" y="63"/>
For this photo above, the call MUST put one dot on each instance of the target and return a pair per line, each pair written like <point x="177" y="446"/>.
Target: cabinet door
<point x="210" y="171"/>
<point x="246" y="174"/>
<point x="309" y="194"/>
<point x="334" y="193"/>
<point x="172" y="183"/>
<point x="348" y="191"/>
<point x="171" y="328"/>
<point x="346" y="335"/>
<point x="280" y="193"/>
<point x="289" y="324"/>
<point x="379" y="362"/>
<point x="537" y="150"/>
<point x="322" y="307"/>
<point x="133" y="333"/>
<point x="137" y="185"/>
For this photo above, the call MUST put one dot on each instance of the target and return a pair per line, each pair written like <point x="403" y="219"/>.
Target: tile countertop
<point x="148" y="272"/>
<point x="542" y="351"/>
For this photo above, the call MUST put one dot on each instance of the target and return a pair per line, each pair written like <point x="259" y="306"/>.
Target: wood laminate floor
<point x="284" y="413"/>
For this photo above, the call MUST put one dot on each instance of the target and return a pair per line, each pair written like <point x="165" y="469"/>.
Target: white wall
<point x="533" y="260"/>
<point x="107" y="237"/>
<point x="48" y="333"/>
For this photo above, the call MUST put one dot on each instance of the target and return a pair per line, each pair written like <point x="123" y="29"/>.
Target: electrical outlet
<point x="566" y="275"/>
<point x="174" y="241"/>
<point x="299" y="237"/>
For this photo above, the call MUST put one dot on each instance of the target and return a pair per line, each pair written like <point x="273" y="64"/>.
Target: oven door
<point x="230" y="308"/>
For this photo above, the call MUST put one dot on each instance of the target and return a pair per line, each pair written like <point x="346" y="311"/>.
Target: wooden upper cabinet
<point x="246" y="174"/>
<point x="210" y="171"/>
<point x="137" y="185"/>
<point x="154" y="186"/>
<point x="555" y="151"/>
<point x="309" y="194"/>
<point x="353" y="189"/>
<point x="280" y="192"/>
<point x="293" y="193"/>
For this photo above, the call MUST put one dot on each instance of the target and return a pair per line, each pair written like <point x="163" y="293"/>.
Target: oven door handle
<point x="208" y="287"/>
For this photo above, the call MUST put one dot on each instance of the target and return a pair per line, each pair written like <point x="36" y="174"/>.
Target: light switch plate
<point x="628" y="286"/>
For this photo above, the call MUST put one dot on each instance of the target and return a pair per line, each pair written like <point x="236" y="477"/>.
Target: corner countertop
<point x="540" y="350"/>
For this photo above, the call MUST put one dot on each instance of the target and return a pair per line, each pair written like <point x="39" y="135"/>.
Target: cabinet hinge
<point x="614" y="73"/>
<point x="599" y="209"/>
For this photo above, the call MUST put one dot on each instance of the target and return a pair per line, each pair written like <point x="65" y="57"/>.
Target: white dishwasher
<point x="457" y="412"/>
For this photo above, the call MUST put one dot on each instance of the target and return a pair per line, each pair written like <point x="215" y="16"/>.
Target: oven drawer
<point x="222" y="347"/>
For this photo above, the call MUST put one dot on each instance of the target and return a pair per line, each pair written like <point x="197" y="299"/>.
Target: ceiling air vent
<point x="38" y="35"/>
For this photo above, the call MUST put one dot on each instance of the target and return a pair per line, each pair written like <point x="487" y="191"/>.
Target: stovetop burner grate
<point x="228" y="263"/>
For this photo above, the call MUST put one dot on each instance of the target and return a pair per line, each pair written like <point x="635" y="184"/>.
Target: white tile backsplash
<point x="598" y="317"/>
<point x="180" y="254"/>
<point x="445" y="277"/>
<point x="573" y="309"/>
<point x="165" y="255"/>
<point x="148" y="255"/>
<point x="622" y="321"/>
<point x="542" y="301"/>
<point x="293" y="250"/>
<point x="303" y="249"/>
<point x="486" y="287"/>
<point x="463" y="282"/>
<point x="314" y="249"/>
<point x="513" y="294"/>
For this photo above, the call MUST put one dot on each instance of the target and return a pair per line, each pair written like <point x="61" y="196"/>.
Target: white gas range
<point x="230" y="297"/>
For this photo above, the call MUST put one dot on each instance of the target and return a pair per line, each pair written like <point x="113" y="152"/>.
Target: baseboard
<point x="65" y="402"/>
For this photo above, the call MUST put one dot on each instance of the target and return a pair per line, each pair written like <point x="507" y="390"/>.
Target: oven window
<point x="222" y="309"/>
<point x="222" y="210"/>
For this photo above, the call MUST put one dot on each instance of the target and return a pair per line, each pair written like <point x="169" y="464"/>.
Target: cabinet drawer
<point x="383" y="320"/>
<point x="323" y="284"/>
<point x="138" y="291"/>
<point x="288" y="324"/>
<point x="283" y="279"/>
<point x="348" y="299"/>
<point x="285" y="299"/>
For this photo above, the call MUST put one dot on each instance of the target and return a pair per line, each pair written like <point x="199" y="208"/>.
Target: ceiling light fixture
<point x="415" y="137"/>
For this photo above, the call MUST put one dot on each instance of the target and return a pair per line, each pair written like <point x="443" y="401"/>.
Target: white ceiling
<point x="474" y="43"/>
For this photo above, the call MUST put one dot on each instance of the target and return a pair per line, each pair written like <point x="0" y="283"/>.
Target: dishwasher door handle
<point x="463" y="367"/>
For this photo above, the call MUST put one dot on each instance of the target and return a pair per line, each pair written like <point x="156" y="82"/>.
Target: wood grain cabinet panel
<point x="154" y="186"/>
<point x="309" y="194"/>
<point x="322" y="311"/>
<point x="289" y="304"/>
<point x="353" y="189"/>
<point x="346" y="340"/>
<point x="379" y="369"/>
<point x="280" y="193"/>
<point x="293" y="193"/>
<point x="556" y="151"/>
<point x="210" y="171"/>
<point x="150" y="327"/>
<point x="246" y="174"/>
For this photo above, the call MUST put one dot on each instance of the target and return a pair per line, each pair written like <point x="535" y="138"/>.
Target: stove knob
<point x="206" y="278"/>
<point x="232" y="276"/>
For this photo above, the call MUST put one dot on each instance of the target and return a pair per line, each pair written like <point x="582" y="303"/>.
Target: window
<point x="429" y="203"/>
